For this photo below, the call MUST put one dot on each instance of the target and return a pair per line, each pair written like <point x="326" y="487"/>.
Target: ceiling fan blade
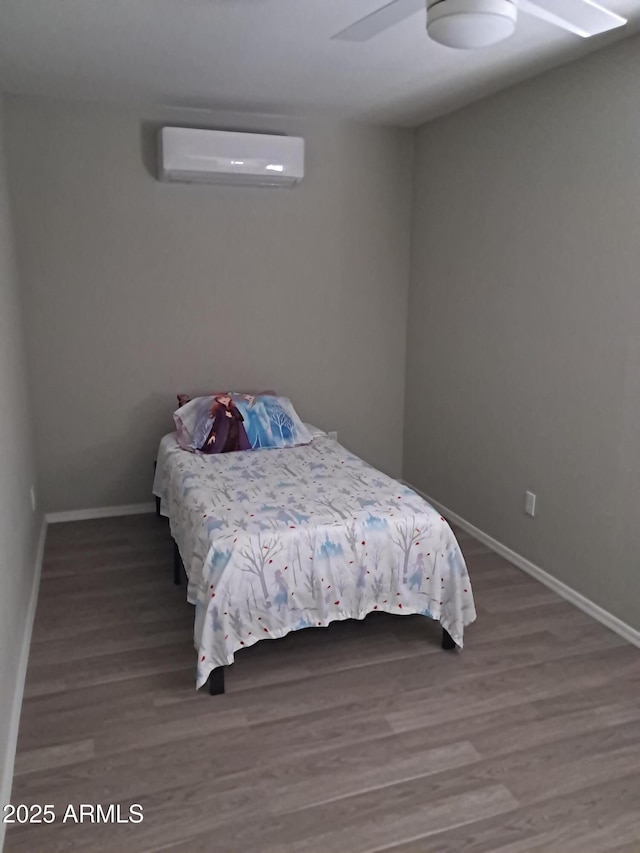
<point x="583" y="17"/>
<point x="371" y="25"/>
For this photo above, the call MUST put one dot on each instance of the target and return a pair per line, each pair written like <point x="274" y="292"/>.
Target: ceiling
<point x="268" y="56"/>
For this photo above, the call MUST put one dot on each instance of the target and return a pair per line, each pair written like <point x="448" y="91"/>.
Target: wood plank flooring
<point x="362" y="737"/>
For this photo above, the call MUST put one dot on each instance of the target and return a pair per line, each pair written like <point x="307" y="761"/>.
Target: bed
<point x="277" y="540"/>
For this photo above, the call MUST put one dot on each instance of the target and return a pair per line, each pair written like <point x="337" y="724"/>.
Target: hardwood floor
<point x="365" y="736"/>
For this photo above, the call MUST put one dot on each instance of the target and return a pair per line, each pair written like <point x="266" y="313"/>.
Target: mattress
<point x="278" y="540"/>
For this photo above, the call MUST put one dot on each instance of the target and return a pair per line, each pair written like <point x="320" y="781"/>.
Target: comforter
<point x="274" y="541"/>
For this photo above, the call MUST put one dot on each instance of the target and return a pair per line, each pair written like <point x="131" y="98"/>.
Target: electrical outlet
<point x="333" y="435"/>
<point x="530" y="503"/>
<point x="32" y="494"/>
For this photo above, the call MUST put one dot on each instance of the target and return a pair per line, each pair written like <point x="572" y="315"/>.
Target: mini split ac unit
<point x="189" y="155"/>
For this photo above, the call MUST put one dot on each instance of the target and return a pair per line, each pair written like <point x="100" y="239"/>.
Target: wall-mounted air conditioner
<point x="189" y="155"/>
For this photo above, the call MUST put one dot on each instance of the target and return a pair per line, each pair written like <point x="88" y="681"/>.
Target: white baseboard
<point x="99" y="512"/>
<point x="594" y="610"/>
<point x="14" y="723"/>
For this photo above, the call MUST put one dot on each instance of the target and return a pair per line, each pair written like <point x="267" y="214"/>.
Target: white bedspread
<point x="275" y="541"/>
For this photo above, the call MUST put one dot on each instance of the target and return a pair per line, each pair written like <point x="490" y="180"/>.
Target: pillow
<point x="230" y="421"/>
<point x="272" y="421"/>
<point x="186" y="416"/>
<point x="183" y="399"/>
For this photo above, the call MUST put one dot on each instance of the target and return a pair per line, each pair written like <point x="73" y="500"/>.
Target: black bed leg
<point x="155" y="465"/>
<point x="448" y="642"/>
<point x="216" y="681"/>
<point x="177" y="564"/>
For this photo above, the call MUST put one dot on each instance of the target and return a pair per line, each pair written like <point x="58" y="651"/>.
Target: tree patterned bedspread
<point x="274" y="541"/>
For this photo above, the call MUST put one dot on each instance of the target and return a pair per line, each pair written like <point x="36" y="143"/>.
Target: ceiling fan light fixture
<point x="470" y="24"/>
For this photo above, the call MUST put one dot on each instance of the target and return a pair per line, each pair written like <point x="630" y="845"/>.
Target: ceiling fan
<point x="469" y="24"/>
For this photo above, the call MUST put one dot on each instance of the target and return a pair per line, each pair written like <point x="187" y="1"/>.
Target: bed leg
<point x="155" y="465"/>
<point x="177" y="564"/>
<point x="448" y="642"/>
<point x="216" y="681"/>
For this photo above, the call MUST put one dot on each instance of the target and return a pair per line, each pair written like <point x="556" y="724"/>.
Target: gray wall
<point x="18" y="524"/>
<point x="137" y="289"/>
<point x="523" y="367"/>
